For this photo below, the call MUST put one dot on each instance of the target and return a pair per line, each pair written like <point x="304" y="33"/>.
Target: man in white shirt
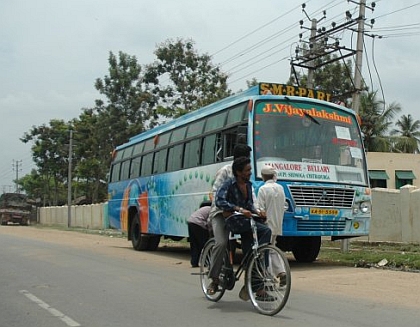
<point x="271" y="201"/>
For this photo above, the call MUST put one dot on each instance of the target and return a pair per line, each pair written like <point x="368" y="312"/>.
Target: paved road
<point x="59" y="278"/>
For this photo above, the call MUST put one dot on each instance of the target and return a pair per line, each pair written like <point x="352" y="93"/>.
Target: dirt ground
<point x="381" y="286"/>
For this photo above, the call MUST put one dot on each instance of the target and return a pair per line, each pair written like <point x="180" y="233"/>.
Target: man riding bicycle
<point x="217" y="220"/>
<point x="236" y="195"/>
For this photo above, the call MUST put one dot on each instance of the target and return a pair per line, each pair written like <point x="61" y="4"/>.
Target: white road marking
<point x="51" y="310"/>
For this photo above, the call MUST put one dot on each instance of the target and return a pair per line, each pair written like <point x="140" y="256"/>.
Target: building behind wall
<point x="393" y="170"/>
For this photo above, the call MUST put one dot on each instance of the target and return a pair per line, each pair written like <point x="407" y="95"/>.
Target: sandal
<point x="213" y="287"/>
<point x="282" y="277"/>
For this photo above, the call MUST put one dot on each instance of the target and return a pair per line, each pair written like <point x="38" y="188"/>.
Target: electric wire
<point x="254" y="31"/>
<point x="378" y="75"/>
<point x="248" y="63"/>
<point x="398" y="10"/>
<point x="259" y="44"/>
<point x="256" y="57"/>
<point x="367" y="64"/>
<point x="269" y="65"/>
<point x="408" y="30"/>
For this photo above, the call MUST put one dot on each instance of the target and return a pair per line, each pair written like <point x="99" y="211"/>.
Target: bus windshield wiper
<point x="306" y="114"/>
<point x="311" y="118"/>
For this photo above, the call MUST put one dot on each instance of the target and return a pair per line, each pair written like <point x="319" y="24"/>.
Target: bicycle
<point x="257" y="265"/>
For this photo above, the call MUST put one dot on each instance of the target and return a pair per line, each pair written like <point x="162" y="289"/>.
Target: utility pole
<point x="359" y="57"/>
<point x="312" y="45"/>
<point x="69" y="179"/>
<point x="310" y="83"/>
<point x="321" y="48"/>
<point x="16" y="165"/>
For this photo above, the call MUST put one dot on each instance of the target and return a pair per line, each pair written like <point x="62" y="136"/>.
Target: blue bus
<point x="159" y="177"/>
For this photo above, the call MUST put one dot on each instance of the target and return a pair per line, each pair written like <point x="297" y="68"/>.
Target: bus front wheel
<point x="153" y="242"/>
<point x="306" y="248"/>
<point x="139" y="241"/>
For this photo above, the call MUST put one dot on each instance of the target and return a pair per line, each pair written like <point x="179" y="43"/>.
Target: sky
<point x="51" y="52"/>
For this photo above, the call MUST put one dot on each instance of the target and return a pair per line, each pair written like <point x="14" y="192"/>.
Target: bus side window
<point x="175" y="155"/>
<point x="219" y="148"/>
<point x="147" y="163"/>
<point x="208" y="152"/>
<point x="229" y="142"/>
<point x="192" y="154"/>
<point x="125" y="169"/>
<point x="115" y="173"/>
<point x="241" y="136"/>
<point x="135" y="167"/>
<point x="160" y="161"/>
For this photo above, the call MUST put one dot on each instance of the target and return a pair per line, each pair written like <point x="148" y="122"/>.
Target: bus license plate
<point x="326" y="212"/>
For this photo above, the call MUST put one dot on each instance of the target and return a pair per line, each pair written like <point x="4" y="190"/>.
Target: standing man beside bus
<point x="271" y="200"/>
<point x="198" y="231"/>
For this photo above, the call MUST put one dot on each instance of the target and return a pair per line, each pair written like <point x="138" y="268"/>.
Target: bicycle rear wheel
<point x="268" y="289"/>
<point x="205" y="280"/>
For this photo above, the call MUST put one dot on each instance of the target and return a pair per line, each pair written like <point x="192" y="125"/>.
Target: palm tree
<point x="408" y="134"/>
<point x="376" y="120"/>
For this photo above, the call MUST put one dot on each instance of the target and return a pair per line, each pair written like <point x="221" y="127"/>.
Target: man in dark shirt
<point x="217" y="220"/>
<point x="235" y="195"/>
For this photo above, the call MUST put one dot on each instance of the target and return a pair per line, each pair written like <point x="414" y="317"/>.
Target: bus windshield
<point x="309" y="141"/>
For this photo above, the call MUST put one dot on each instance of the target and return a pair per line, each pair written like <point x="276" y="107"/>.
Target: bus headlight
<point x="365" y="207"/>
<point x="287" y="205"/>
<point x="362" y="207"/>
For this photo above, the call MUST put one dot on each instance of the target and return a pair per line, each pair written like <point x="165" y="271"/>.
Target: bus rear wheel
<point x="139" y="241"/>
<point x="306" y="248"/>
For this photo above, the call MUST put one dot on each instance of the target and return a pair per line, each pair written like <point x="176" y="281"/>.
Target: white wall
<point x="92" y="216"/>
<point x="395" y="215"/>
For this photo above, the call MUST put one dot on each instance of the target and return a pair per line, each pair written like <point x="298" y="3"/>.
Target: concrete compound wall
<point x="395" y="215"/>
<point x="94" y="216"/>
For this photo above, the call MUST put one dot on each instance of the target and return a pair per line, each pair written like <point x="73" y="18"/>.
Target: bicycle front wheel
<point x="205" y="280"/>
<point x="268" y="280"/>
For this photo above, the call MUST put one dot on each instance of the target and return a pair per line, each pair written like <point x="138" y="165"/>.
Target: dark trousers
<point x="198" y="236"/>
<point x="264" y="236"/>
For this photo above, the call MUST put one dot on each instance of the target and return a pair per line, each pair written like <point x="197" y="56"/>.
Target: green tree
<point x="32" y="184"/>
<point x="252" y="82"/>
<point x="408" y="134"/>
<point x="130" y="103"/>
<point x="91" y="157"/>
<point x="376" y="122"/>
<point x="128" y="108"/>
<point x="184" y="80"/>
<point x="50" y="154"/>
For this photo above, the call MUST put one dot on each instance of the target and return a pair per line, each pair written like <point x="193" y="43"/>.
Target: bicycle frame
<point x="244" y="262"/>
